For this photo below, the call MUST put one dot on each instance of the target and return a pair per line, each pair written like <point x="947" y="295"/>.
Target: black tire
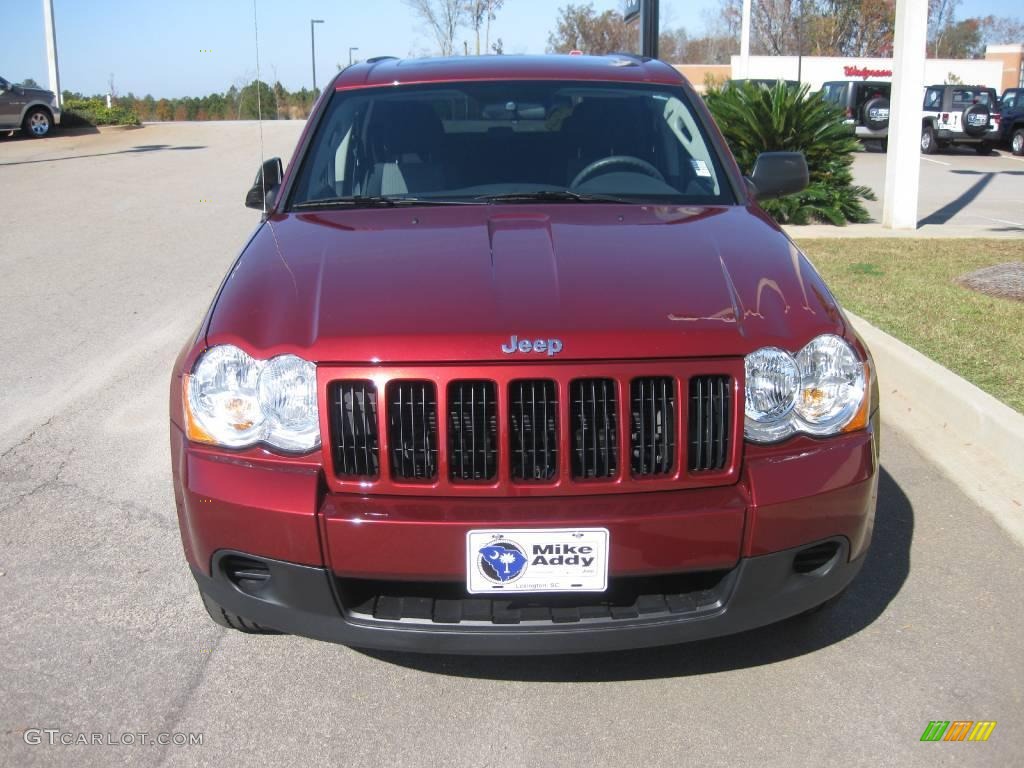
<point x="232" y="620"/>
<point x="1017" y="142"/>
<point x="974" y="121"/>
<point x="985" y="148"/>
<point x="928" y="143"/>
<point x="884" y="144"/>
<point x="38" y="123"/>
<point x="875" y="113"/>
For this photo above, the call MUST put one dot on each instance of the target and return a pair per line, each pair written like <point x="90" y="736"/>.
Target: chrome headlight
<point x="234" y="400"/>
<point x="822" y="391"/>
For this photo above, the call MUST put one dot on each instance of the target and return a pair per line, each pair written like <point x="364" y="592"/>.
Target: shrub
<point x="754" y="119"/>
<point x="95" y="111"/>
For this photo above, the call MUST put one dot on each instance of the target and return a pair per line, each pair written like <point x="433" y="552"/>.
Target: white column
<point x="903" y="163"/>
<point x="744" y="43"/>
<point x="51" y="48"/>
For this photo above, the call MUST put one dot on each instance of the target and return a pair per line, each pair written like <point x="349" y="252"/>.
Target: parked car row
<point x="952" y="115"/>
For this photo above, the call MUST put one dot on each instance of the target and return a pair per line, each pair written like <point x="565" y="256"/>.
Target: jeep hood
<point x="455" y="283"/>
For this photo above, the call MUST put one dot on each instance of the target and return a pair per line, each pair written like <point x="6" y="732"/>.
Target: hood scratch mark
<point x="280" y="255"/>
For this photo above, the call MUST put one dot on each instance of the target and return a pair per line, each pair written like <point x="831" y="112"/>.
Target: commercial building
<point x="1002" y="67"/>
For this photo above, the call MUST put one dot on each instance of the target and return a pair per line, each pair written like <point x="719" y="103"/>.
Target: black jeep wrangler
<point x="866" y="103"/>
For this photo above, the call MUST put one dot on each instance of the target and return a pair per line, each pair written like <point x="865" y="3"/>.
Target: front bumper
<point x="315" y="545"/>
<point x="305" y="600"/>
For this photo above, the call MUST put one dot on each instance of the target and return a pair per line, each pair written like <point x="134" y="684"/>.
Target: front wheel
<point x="38" y="123"/>
<point x="1017" y="142"/>
<point x="928" y="144"/>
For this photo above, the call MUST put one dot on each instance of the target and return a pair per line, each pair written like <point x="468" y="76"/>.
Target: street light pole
<point x="51" y="49"/>
<point x="312" y="45"/>
<point x="350" y="50"/>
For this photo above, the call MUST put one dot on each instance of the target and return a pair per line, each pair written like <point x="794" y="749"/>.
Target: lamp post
<point x="350" y="51"/>
<point x="312" y="45"/>
<point x="51" y="50"/>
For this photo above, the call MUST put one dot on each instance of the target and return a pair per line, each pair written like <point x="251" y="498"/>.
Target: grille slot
<point x="354" y="429"/>
<point x="709" y="428"/>
<point x="533" y="430"/>
<point x="472" y="431"/>
<point x="653" y="419"/>
<point x="595" y="433"/>
<point x="412" y="429"/>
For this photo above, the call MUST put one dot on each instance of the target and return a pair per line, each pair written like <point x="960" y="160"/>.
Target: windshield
<point x="461" y="142"/>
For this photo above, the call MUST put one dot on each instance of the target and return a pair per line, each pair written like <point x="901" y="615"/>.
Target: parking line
<point x="937" y="162"/>
<point x="1000" y="221"/>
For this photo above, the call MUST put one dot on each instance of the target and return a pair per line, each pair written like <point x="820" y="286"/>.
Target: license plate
<point x="537" y="560"/>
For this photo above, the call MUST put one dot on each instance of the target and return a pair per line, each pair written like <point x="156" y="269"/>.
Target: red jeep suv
<point x="514" y="363"/>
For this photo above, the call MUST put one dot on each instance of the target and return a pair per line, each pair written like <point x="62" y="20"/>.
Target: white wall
<point x="819" y="69"/>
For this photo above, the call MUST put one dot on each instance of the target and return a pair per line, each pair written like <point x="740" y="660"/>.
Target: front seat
<point x="406" y="139"/>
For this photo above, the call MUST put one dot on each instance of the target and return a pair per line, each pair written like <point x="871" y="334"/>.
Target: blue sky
<point x="155" y="46"/>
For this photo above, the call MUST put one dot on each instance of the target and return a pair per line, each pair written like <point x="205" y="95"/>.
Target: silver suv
<point x="33" y="110"/>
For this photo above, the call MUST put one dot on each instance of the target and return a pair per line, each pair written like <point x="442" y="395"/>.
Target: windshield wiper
<point x="552" y="196"/>
<point x="375" y="201"/>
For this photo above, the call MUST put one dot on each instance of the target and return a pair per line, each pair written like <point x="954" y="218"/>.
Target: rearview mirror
<point x="265" y="187"/>
<point x="777" y="174"/>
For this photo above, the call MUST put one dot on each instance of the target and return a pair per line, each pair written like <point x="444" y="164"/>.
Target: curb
<point x="977" y="440"/>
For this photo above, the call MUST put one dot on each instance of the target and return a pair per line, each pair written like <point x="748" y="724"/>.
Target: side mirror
<point x="266" y="186"/>
<point x="777" y="174"/>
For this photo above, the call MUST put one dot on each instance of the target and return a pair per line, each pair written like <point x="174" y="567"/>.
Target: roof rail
<point x="376" y="59"/>
<point x="632" y="56"/>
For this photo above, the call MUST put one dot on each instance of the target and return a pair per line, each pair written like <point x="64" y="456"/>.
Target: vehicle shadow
<point x="132" y="150"/>
<point x="880" y="580"/>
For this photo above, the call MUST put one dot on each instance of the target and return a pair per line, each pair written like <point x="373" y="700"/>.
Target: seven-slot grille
<point x="460" y="431"/>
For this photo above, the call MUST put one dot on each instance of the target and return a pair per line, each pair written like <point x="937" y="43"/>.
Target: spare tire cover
<point x="975" y="120"/>
<point x="875" y="113"/>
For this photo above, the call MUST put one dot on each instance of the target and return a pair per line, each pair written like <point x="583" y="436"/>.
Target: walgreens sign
<point x="864" y="72"/>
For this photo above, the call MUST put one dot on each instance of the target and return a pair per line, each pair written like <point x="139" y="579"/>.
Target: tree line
<point x="243" y="102"/>
<point x="786" y="28"/>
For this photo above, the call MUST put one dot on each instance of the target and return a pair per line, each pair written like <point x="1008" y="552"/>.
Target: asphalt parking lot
<point x="958" y="188"/>
<point x="111" y="247"/>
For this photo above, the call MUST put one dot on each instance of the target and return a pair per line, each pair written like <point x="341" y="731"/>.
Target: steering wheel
<point x="627" y="161"/>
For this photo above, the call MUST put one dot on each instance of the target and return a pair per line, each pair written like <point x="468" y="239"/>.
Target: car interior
<point x="489" y="139"/>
